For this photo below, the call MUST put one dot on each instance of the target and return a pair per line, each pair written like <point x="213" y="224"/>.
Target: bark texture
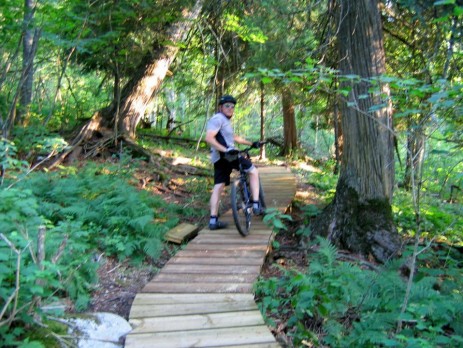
<point x="28" y="60"/>
<point x="121" y="118"/>
<point x="360" y="216"/>
<point x="289" y="123"/>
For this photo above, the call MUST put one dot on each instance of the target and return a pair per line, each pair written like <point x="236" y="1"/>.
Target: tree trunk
<point x="28" y="61"/>
<point x="360" y="216"/>
<point x="171" y="110"/>
<point x="12" y="117"/>
<point x="415" y="155"/>
<point x="139" y="90"/>
<point x="289" y="123"/>
<point x="262" y="119"/>
<point x="338" y="138"/>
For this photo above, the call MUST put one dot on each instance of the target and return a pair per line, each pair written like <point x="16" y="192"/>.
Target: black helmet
<point x="227" y="99"/>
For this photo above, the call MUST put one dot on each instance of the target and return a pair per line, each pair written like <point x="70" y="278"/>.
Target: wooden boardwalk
<point x="203" y="297"/>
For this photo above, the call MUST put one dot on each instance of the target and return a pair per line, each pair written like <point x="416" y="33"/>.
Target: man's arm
<point x="211" y="140"/>
<point x="241" y="140"/>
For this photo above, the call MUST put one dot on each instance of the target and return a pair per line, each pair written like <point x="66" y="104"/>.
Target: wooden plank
<point x="273" y="170"/>
<point x="255" y="230"/>
<point x="286" y="191"/>
<point x="215" y="261"/>
<point x="197" y="321"/>
<point x="164" y="310"/>
<point x="181" y="232"/>
<point x="204" y="278"/>
<point x="270" y="186"/>
<point x="214" y="239"/>
<point x="258" y="237"/>
<point x="203" y="338"/>
<point x="191" y="246"/>
<point x="273" y="176"/>
<point x="149" y="298"/>
<point x="275" y="189"/>
<point x="259" y="254"/>
<point x="199" y="288"/>
<point x="212" y="269"/>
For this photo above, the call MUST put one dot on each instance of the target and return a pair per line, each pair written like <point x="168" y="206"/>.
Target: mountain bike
<point x="241" y="198"/>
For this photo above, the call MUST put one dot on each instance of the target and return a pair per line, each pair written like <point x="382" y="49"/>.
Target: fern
<point x="327" y="252"/>
<point x="140" y="222"/>
<point x="360" y="308"/>
<point x="89" y="211"/>
<point x="152" y="247"/>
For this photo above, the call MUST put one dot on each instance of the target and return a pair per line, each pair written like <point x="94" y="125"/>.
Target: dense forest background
<point x="103" y="107"/>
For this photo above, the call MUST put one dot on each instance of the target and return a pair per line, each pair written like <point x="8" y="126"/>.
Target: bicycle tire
<point x="240" y="208"/>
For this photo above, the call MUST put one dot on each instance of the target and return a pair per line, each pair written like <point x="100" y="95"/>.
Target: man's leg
<point x="254" y="182"/>
<point x="214" y="223"/>
<point x="215" y="198"/>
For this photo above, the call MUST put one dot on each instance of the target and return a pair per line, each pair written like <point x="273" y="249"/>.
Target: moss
<point x="47" y="335"/>
<point x="375" y="214"/>
<point x="381" y="205"/>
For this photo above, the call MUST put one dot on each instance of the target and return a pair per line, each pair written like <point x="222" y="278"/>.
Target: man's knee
<point x="253" y="171"/>
<point x="219" y="187"/>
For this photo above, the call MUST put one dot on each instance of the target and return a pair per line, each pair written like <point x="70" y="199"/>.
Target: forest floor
<point x="119" y="282"/>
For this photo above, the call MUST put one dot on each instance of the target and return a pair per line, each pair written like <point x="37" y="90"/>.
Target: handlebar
<point x="246" y="150"/>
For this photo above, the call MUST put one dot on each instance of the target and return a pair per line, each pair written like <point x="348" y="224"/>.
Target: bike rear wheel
<point x="241" y="208"/>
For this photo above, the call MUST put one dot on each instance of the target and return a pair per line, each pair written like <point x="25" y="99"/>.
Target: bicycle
<point x="241" y="200"/>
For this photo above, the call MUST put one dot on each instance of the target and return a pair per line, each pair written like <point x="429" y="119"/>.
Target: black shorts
<point x="223" y="169"/>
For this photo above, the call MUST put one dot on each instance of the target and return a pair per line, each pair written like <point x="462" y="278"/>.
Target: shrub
<point x="356" y="307"/>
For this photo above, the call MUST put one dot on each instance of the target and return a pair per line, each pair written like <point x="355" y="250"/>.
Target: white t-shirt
<point x="221" y="123"/>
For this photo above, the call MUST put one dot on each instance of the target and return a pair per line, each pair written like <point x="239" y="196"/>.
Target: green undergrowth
<point x="346" y="304"/>
<point x="440" y="220"/>
<point x="88" y="213"/>
<point x="338" y="302"/>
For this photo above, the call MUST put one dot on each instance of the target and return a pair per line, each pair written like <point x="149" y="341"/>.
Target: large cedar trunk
<point x="121" y="117"/>
<point x="338" y="138"/>
<point x="360" y="216"/>
<point x="289" y="123"/>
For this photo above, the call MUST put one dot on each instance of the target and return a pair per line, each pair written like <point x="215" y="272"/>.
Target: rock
<point x="102" y="330"/>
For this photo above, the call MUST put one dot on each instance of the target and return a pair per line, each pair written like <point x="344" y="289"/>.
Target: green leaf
<point x="444" y="2"/>
<point x="458" y="11"/>
<point x="278" y="224"/>
<point x="266" y="80"/>
<point x="31" y="344"/>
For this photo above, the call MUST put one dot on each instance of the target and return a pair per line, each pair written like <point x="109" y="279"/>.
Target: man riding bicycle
<point x="220" y="136"/>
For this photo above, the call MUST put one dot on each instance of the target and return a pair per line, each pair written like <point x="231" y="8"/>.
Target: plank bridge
<point x="203" y="296"/>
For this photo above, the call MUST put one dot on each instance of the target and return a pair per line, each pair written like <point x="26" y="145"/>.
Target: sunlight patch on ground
<point x="306" y="197"/>
<point x="181" y="160"/>
<point x="308" y="167"/>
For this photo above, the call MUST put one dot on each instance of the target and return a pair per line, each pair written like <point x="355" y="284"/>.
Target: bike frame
<point x="244" y="181"/>
<point x="241" y="197"/>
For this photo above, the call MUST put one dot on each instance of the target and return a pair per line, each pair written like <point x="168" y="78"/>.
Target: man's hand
<point x="231" y="151"/>
<point x="255" y="145"/>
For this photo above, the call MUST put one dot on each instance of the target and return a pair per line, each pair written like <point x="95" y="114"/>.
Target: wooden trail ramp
<point x="203" y="297"/>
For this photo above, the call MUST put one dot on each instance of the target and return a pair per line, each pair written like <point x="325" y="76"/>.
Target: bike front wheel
<point x="241" y="208"/>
